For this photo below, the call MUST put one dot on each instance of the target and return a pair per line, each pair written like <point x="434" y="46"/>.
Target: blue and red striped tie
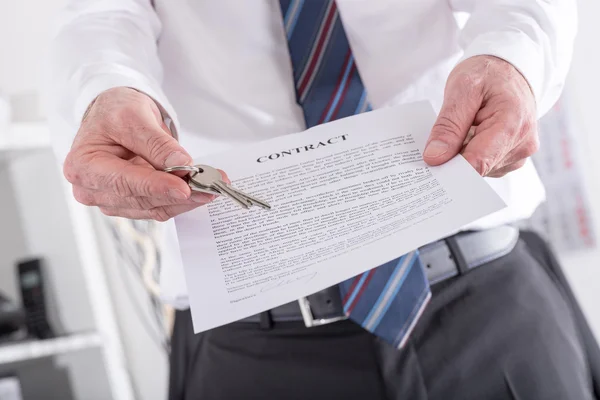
<point x="389" y="299"/>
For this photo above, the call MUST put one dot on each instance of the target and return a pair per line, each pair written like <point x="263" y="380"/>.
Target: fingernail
<point x="201" y="197"/>
<point x="176" y="158"/>
<point x="435" y="148"/>
<point x="177" y="194"/>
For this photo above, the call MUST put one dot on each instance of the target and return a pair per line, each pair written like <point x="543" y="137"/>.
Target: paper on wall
<point x="564" y="219"/>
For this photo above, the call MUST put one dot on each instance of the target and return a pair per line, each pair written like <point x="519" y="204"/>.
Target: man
<point x="141" y="85"/>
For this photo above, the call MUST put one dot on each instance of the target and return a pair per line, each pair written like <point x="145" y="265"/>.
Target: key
<point x="206" y="179"/>
<point x="191" y="170"/>
<point x="200" y="189"/>
<point x="251" y="199"/>
<point x="210" y="178"/>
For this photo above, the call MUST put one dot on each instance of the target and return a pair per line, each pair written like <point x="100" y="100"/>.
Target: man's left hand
<point x="489" y="102"/>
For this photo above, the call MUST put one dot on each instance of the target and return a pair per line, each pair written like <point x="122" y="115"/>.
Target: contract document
<point x="346" y="197"/>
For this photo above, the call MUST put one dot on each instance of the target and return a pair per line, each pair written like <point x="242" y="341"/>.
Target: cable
<point x="128" y="258"/>
<point x="146" y="251"/>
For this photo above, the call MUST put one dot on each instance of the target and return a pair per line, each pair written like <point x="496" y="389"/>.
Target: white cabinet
<point x="40" y="218"/>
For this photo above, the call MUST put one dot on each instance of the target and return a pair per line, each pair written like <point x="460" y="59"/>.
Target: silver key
<point x="192" y="170"/>
<point x="206" y="179"/>
<point x="209" y="178"/>
<point x="251" y="199"/>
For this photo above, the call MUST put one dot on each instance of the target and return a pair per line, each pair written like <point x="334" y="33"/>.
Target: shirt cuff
<point x="108" y="77"/>
<point x="517" y="49"/>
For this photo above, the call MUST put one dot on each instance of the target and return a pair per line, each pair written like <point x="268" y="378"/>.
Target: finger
<point x="103" y="199"/>
<point x="109" y="173"/>
<point x="500" y="172"/>
<point x="142" y="131"/>
<point x="137" y="160"/>
<point x="462" y="100"/>
<point x="224" y="176"/>
<point x="524" y="150"/>
<point x="161" y="214"/>
<point x="504" y="137"/>
<point x="492" y="141"/>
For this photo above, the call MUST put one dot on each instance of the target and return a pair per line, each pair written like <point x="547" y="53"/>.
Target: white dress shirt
<point x="221" y="69"/>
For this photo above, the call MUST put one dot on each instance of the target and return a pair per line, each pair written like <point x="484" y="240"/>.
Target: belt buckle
<point x="310" y="320"/>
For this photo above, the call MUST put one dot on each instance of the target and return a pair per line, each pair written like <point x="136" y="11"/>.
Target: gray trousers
<point x="507" y="330"/>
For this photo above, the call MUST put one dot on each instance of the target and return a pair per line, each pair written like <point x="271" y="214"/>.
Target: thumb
<point x="451" y="127"/>
<point x="157" y="145"/>
<point x="162" y="150"/>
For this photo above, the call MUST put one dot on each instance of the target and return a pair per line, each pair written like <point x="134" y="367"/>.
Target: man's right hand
<point x="117" y="158"/>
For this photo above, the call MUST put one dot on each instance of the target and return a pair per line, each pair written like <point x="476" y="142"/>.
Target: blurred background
<point x="79" y="315"/>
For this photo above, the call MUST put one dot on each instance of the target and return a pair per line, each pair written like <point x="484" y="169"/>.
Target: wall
<point x="25" y="27"/>
<point x="583" y="269"/>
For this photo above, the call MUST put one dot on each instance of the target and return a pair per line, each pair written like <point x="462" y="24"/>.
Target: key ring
<point x="188" y="168"/>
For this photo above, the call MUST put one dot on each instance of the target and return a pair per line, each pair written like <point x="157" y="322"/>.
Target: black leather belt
<point x="442" y="259"/>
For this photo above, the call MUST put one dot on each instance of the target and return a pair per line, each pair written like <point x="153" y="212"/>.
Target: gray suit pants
<point x="508" y="330"/>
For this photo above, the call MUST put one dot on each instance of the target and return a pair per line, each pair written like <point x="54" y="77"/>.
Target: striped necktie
<point x="389" y="299"/>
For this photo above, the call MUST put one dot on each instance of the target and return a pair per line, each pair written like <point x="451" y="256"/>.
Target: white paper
<point x="358" y="198"/>
<point x="564" y="219"/>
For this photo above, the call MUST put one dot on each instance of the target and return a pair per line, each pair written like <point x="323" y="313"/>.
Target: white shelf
<point x="25" y="136"/>
<point x="62" y="233"/>
<point x="22" y="351"/>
